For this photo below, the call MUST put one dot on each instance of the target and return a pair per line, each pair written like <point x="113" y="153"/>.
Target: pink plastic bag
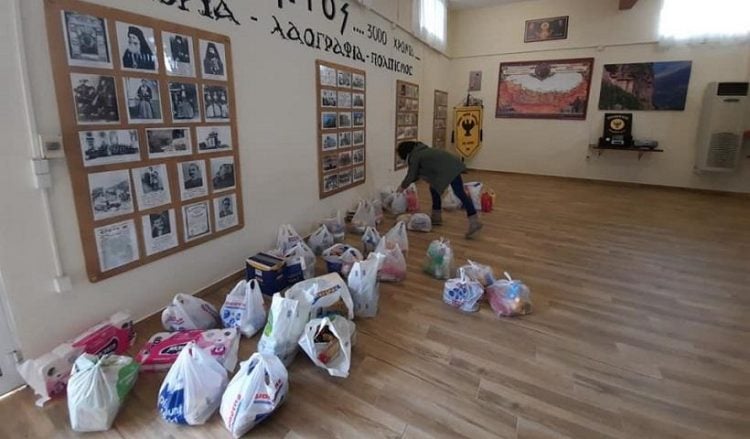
<point x="412" y="199"/>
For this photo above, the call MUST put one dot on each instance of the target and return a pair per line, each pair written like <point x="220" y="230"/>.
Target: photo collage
<point x="153" y="136"/>
<point x="407" y="116"/>
<point x="440" y="119"/>
<point x="341" y="127"/>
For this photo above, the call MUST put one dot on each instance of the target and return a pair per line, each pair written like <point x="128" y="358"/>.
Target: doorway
<point x="9" y="377"/>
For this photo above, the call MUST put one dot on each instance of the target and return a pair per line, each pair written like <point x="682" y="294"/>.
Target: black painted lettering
<point x="358" y="54"/>
<point x="172" y="2"/>
<point x="222" y="11"/>
<point x="206" y="11"/>
<point x="321" y="35"/>
<point x="345" y="11"/>
<point x="337" y="47"/>
<point x="309" y="37"/>
<point x="329" y="43"/>
<point x="329" y="9"/>
<point x="277" y="28"/>
<point x="293" y="33"/>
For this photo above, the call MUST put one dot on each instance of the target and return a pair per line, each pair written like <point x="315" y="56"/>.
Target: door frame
<point x="10" y="379"/>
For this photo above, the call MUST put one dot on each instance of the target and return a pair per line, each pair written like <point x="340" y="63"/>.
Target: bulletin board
<point x="148" y="118"/>
<point x="342" y="127"/>
<point x="407" y="117"/>
<point x="440" y="119"/>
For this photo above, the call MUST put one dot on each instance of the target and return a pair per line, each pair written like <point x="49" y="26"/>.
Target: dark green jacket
<point x="436" y="166"/>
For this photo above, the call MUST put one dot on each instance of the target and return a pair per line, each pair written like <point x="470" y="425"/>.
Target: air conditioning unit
<point x="721" y="127"/>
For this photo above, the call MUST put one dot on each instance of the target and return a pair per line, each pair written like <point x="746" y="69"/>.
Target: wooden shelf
<point x="641" y="150"/>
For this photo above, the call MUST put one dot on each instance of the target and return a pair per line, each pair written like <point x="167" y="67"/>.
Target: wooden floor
<point x="641" y="329"/>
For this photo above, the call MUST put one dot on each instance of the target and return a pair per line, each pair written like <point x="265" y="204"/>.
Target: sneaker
<point x="474" y="227"/>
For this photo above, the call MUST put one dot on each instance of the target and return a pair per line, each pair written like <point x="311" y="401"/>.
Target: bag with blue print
<point x="463" y="293"/>
<point x="191" y="391"/>
<point x="243" y="308"/>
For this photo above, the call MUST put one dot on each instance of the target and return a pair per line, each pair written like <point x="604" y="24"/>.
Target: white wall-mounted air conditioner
<point x="721" y="127"/>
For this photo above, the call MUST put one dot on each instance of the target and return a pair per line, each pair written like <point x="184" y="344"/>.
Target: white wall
<point x="480" y="39"/>
<point x="274" y="87"/>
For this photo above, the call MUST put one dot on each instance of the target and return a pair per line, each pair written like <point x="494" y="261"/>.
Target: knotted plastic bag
<point x="439" y="259"/>
<point x="463" y="293"/>
<point x="398" y="203"/>
<point x="509" y="297"/>
<point x="412" y="198"/>
<point x="340" y="258"/>
<point x="286" y="321"/>
<point x="419" y="222"/>
<point x="398" y="235"/>
<point x="189" y="312"/>
<point x="324" y="295"/>
<point x="393" y="268"/>
<point x="450" y="200"/>
<point x="363" y="285"/>
<point x="370" y="240"/>
<point x="287" y="238"/>
<point x="478" y="272"/>
<point x="300" y="258"/>
<point x="320" y="240"/>
<point x="336" y="226"/>
<point x="244" y="309"/>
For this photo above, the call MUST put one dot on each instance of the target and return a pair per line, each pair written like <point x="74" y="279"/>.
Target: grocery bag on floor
<point x="340" y="258"/>
<point x="336" y="226"/>
<point x="377" y="209"/>
<point x="363" y="218"/>
<point x="397" y="235"/>
<point x="450" y="200"/>
<point x="370" y="240"/>
<point x="96" y="390"/>
<point x="439" y="259"/>
<point x="320" y="240"/>
<point x="328" y="343"/>
<point x="393" y="268"/>
<point x="255" y="392"/>
<point x="463" y="293"/>
<point x="299" y="259"/>
<point x="191" y="391"/>
<point x="478" y="272"/>
<point x="385" y="195"/>
<point x="474" y="191"/>
<point x="398" y="203"/>
<point x="419" y="222"/>
<point x="363" y="285"/>
<point x="189" y="312"/>
<point x="287" y="237"/>
<point x="244" y="309"/>
<point x="412" y="198"/>
<point x="325" y="295"/>
<point x="286" y="321"/>
<point x="509" y="297"/>
<point x="163" y="348"/>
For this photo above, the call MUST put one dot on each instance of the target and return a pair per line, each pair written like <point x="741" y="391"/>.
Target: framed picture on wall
<point x="137" y="47"/>
<point x="546" y="29"/>
<point x="95" y="99"/>
<point x="144" y="100"/>
<point x="159" y="231"/>
<point x="213" y="59"/>
<point x="648" y="86"/>
<point x="178" y="54"/>
<point x="87" y="40"/>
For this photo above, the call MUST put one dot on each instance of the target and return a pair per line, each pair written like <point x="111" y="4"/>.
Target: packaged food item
<point x="419" y="222"/>
<point x="328" y="343"/>
<point x="463" y="293"/>
<point x="268" y="269"/>
<point x="162" y="349"/>
<point x="509" y="297"/>
<point x="439" y="259"/>
<point x="286" y="321"/>
<point x="189" y="312"/>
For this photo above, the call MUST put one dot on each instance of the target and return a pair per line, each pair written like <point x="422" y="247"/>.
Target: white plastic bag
<point x="189" y="312"/>
<point x="363" y="285"/>
<point x="419" y="222"/>
<point x="191" y="391"/>
<point x="328" y="343"/>
<point x="320" y="240"/>
<point x="386" y="193"/>
<point x="97" y="388"/>
<point x="243" y="308"/>
<point x="325" y="295"/>
<point x="286" y="321"/>
<point x="439" y="259"/>
<point x="363" y="218"/>
<point x="478" y="272"/>
<point x="377" y="209"/>
<point x="463" y="293"/>
<point x="162" y="349"/>
<point x="340" y="258"/>
<point x="370" y="240"/>
<point x="302" y="254"/>
<point x="336" y="226"/>
<point x="255" y="392"/>
<point x="398" y="235"/>
<point x="398" y="203"/>
<point x="450" y="200"/>
<point x="394" y="263"/>
<point x="474" y="190"/>
<point x="287" y="237"/>
<point x="412" y="198"/>
<point x="509" y="298"/>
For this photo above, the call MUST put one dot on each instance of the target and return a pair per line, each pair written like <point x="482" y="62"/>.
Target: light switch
<point x="52" y="146"/>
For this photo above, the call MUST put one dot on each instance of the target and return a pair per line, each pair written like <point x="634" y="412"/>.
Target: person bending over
<point x="440" y="169"/>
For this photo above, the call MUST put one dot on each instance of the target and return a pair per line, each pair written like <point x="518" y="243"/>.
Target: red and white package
<point x="162" y="349"/>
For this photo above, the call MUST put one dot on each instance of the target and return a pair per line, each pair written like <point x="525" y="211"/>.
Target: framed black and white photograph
<point x="151" y="186"/>
<point x="328" y="98"/>
<point x="345" y="120"/>
<point x="95" y="99"/>
<point x="345" y="159"/>
<point x="358" y="119"/>
<point x="184" y="102"/>
<point x="345" y="99"/>
<point x="358" y="100"/>
<point x="328" y="120"/>
<point x="178" y="54"/>
<point x="116" y="245"/>
<point x="358" y="173"/>
<point x="111" y="194"/>
<point x="345" y="139"/>
<point x="159" y="231"/>
<point x="137" y="47"/>
<point x="222" y="173"/>
<point x="86" y="40"/>
<point x="345" y="178"/>
<point x="105" y="147"/>
<point x="330" y="182"/>
<point x="216" y="103"/>
<point x="329" y="142"/>
<point x="358" y="138"/>
<point x="358" y="81"/>
<point x="330" y="162"/>
<point x="225" y="212"/>
<point x="327" y="76"/>
<point x="144" y="100"/>
<point x="344" y="79"/>
<point x="196" y="219"/>
<point x="192" y="179"/>
<point x="358" y="156"/>
<point x="213" y="60"/>
<point x="168" y="142"/>
<point x="214" y="138"/>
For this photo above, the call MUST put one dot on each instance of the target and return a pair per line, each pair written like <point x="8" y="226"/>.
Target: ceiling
<point x="467" y="4"/>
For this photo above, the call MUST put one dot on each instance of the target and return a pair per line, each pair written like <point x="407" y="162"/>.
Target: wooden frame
<point x="407" y="117"/>
<point x="342" y="148"/>
<point x="440" y="119"/>
<point x="556" y="29"/>
<point x="82" y="173"/>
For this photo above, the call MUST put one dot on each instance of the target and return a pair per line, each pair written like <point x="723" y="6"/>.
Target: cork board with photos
<point x="148" y="121"/>
<point x="342" y="127"/>
<point x="407" y="117"/>
<point x="440" y="119"/>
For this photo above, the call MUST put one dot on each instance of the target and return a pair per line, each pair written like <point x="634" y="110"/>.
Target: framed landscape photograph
<point x="546" y="29"/>
<point x="648" y="86"/>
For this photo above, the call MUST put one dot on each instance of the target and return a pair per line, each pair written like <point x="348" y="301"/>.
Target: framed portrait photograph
<point x="358" y="100"/>
<point x="183" y="98"/>
<point x="168" y="142"/>
<point x="328" y="98"/>
<point x="358" y="81"/>
<point x="111" y="194"/>
<point x="213" y="59"/>
<point x="358" y="173"/>
<point x="345" y="99"/>
<point x="345" y="139"/>
<point x="330" y="162"/>
<point x="214" y="138"/>
<point x="86" y="40"/>
<point x="345" y="159"/>
<point x="358" y="119"/>
<point x="144" y="100"/>
<point x="329" y="142"/>
<point x="159" y="231"/>
<point x="105" y="147"/>
<point x="345" y="178"/>
<point x="216" y="103"/>
<point x="328" y="120"/>
<point x="358" y="138"/>
<point x="192" y="179"/>
<point x="116" y="245"/>
<point x="546" y="29"/>
<point x="330" y="182"/>
<point x="345" y="120"/>
<point x="196" y="221"/>
<point x="222" y="173"/>
<point x="225" y="212"/>
<point x="178" y="54"/>
<point x="344" y="79"/>
<point x="137" y="46"/>
<point x="327" y="76"/>
<point x="475" y="81"/>
<point x="95" y="99"/>
<point x="358" y="156"/>
<point x="151" y="186"/>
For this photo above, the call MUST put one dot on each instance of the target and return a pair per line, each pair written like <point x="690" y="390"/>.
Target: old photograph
<point x="216" y="103"/>
<point x="144" y="100"/>
<point x="178" y="54"/>
<point x="329" y="142"/>
<point x="192" y="179"/>
<point x="345" y="178"/>
<point x="87" y="40"/>
<point x="213" y="60"/>
<point x="345" y="99"/>
<point x="137" y="47"/>
<point x="358" y="100"/>
<point x="151" y="186"/>
<point x="196" y="219"/>
<point x="222" y="173"/>
<point x="225" y="212"/>
<point x="330" y="162"/>
<point x="327" y="76"/>
<point x="159" y="231"/>
<point x="214" y="138"/>
<point x="184" y="102"/>
<point x="358" y="81"/>
<point x="116" y="245"/>
<point x="345" y="139"/>
<point x="345" y="120"/>
<point x="328" y="98"/>
<point x="95" y="99"/>
<point x="358" y="174"/>
<point x="358" y="138"/>
<point x="328" y="120"/>
<point x="358" y="156"/>
<point x="330" y="182"/>
<point x="345" y="159"/>
<point x="168" y="142"/>
<point x="358" y="119"/>
<point x="111" y="194"/>
<point x="344" y="79"/>
<point x="109" y="146"/>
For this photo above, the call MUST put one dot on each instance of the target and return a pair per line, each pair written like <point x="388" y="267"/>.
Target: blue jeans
<point x="458" y="188"/>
